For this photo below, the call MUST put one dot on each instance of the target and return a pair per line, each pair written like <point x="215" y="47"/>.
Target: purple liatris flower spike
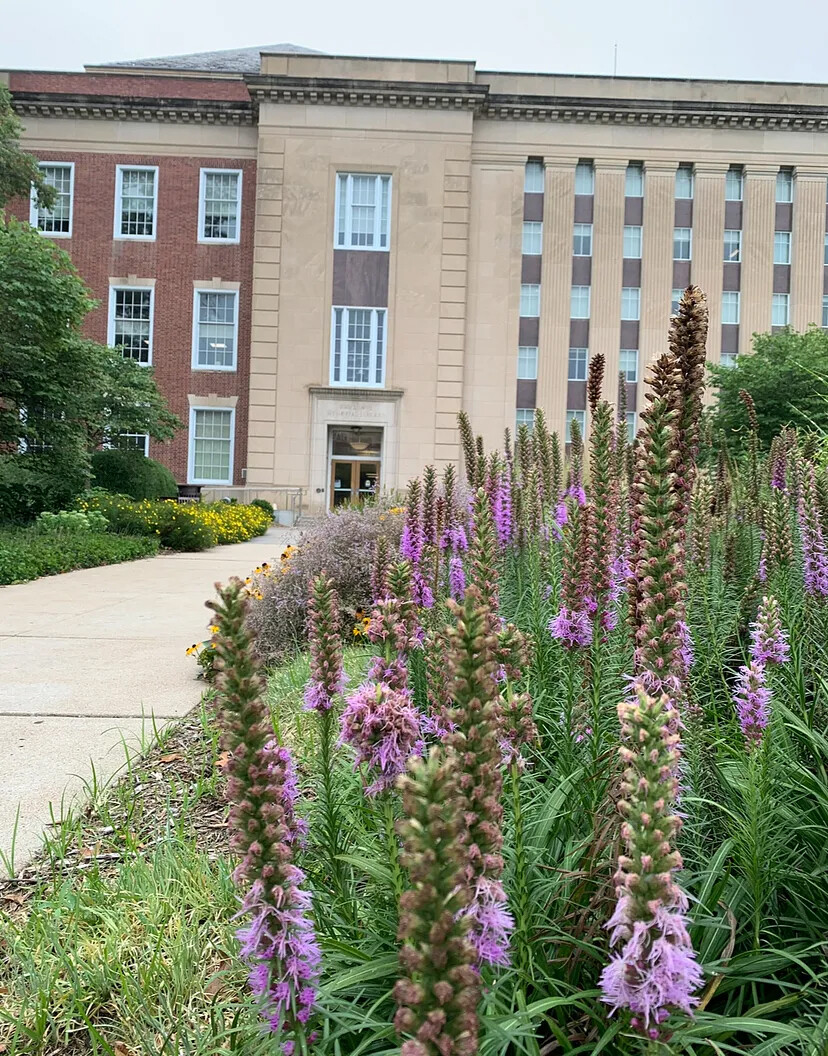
<point x="278" y="941"/>
<point x="654" y="971"/>
<point x="327" y="676"/>
<point x="752" y="699"/>
<point x="383" y="726"/>
<point x="686" y="654"/>
<point x="572" y="628"/>
<point x="502" y="507"/>
<point x="457" y="577"/>
<point x="769" y="643"/>
<point x="814" y="553"/>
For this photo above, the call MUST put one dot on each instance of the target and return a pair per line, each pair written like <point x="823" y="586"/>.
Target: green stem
<point x="392" y="846"/>
<point x="522" y="903"/>
<point x="330" y="813"/>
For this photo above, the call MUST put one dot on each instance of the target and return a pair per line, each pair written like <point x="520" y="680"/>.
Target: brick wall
<point x="130" y="85"/>
<point x="175" y="259"/>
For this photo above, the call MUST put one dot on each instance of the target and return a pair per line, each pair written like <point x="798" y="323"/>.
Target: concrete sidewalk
<point x="88" y="658"/>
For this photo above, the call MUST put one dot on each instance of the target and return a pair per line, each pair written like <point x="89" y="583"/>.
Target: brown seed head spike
<point x="595" y="381"/>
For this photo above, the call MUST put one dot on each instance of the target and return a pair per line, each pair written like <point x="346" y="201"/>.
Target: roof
<point x="232" y="60"/>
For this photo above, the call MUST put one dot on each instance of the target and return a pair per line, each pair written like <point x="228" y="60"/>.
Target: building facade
<point x="326" y="259"/>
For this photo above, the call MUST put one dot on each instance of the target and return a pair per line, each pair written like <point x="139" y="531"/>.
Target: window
<point x="136" y="201"/>
<point x="578" y="362"/>
<point x="781" y="247"/>
<point x="533" y="177"/>
<point x="684" y="181"/>
<point x="574" y="416"/>
<point x="632" y="425"/>
<point x="784" y="185"/>
<point x="628" y="363"/>
<point x="582" y="240"/>
<point x="781" y="309"/>
<point x="727" y="359"/>
<point x="211" y="445"/>
<point x="363" y="211"/>
<point x="579" y="302"/>
<point x="58" y="220"/>
<point x="527" y="369"/>
<point x="682" y="243"/>
<point x="675" y="301"/>
<point x="825" y="313"/>
<point x="634" y="180"/>
<point x="219" y="205"/>
<point x="826" y="249"/>
<point x="734" y="184"/>
<point x="631" y="302"/>
<point x="584" y="178"/>
<point x="525" y="416"/>
<point x="215" y="329"/>
<point x="632" y="243"/>
<point x="532" y="238"/>
<point x="732" y="246"/>
<point x="358" y="347"/>
<point x="130" y="321"/>
<point x="731" y="306"/>
<point x="529" y="301"/>
<point x="139" y="441"/>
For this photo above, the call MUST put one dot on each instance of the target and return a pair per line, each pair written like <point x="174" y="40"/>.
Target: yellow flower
<point x="213" y="628"/>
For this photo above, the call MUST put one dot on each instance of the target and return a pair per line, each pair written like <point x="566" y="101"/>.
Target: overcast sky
<point x="762" y="40"/>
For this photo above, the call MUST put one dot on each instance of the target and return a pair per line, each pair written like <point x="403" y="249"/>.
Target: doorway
<point x="355" y="461"/>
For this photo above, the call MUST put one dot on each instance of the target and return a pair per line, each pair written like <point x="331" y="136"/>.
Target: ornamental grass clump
<point x="654" y="971"/>
<point x="278" y="942"/>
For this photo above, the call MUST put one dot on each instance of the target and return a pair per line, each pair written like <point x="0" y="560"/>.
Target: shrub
<point x="263" y="504"/>
<point x="129" y="472"/>
<point x="189" y="526"/>
<point x="72" y="521"/>
<point x="27" y="554"/>
<point x="342" y="545"/>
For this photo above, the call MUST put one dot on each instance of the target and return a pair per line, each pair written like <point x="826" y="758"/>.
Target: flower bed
<point x="186" y="526"/>
<point x="27" y="554"/>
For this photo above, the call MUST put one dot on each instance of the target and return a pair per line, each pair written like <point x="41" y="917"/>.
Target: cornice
<point x="124" y="108"/>
<point x="339" y="91"/>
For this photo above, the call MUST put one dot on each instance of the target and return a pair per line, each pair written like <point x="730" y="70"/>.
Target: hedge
<point x="28" y="554"/>
<point x="128" y="471"/>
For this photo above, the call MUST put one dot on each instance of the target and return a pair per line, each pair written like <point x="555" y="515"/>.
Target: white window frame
<point x="202" y="205"/>
<point x="631" y="420"/>
<point x="681" y="238"/>
<point x="34" y="211"/>
<point x="378" y="177"/>
<point x="527" y="360"/>
<point x="633" y="232"/>
<point x="110" y="329"/>
<point x="727" y="359"/>
<point x="785" y="182"/>
<point x="532" y="185"/>
<point x="631" y="318"/>
<point x="738" y="174"/>
<point x="191" y="477"/>
<point x="825" y="312"/>
<point x="825" y="256"/>
<point x="579" y="361"/>
<point x="532" y="234"/>
<point x="786" y="242"/>
<point x="625" y="370"/>
<point x="528" y="411"/>
<point x="119" y="184"/>
<point x="578" y="231"/>
<point x="787" y="305"/>
<point x="536" y="293"/>
<point x="581" y="296"/>
<point x="585" y="178"/>
<point x="732" y="231"/>
<point x="675" y="299"/>
<point x="634" y="170"/>
<point x="194" y="359"/>
<point x="732" y="297"/>
<point x="146" y="441"/>
<point x="580" y="414"/>
<point x="376" y="351"/>
<point x="680" y="172"/>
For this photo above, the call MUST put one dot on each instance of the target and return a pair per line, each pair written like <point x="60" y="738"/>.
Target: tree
<point x="61" y="395"/>
<point x="19" y="171"/>
<point x="787" y="376"/>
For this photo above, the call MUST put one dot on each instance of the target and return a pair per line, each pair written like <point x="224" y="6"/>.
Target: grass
<point x="119" y="939"/>
<point x="26" y="553"/>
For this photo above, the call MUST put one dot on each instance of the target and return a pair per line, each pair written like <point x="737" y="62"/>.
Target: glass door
<point x="356" y="463"/>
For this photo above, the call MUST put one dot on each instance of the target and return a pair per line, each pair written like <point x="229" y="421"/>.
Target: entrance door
<point x="356" y="463"/>
<point x="353" y="481"/>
